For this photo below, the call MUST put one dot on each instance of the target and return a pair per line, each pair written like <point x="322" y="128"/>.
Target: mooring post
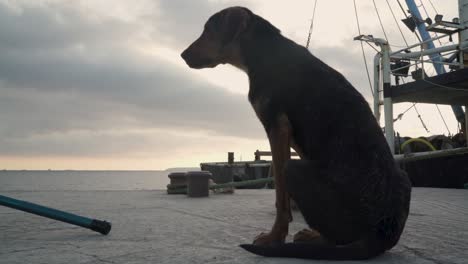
<point x="230" y="157"/>
<point x="257" y="155"/>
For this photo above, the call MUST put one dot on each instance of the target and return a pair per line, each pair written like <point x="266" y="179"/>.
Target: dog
<point x="347" y="185"/>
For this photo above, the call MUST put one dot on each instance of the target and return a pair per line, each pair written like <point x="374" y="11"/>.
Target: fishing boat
<point x="444" y="164"/>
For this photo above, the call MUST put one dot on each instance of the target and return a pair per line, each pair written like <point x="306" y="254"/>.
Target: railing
<point x="259" y="154"/>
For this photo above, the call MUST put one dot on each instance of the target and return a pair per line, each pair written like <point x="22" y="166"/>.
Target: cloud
<point x="77" y="80"/>
<point x="83" y="80"/>
<point x="179" y="22"/>
<point x="104" y="78"/>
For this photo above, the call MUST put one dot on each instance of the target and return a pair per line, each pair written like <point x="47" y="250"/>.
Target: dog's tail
<point x="358" y="250"/>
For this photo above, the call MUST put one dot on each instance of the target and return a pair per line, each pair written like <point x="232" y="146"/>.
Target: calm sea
<point x="83" y="180"/>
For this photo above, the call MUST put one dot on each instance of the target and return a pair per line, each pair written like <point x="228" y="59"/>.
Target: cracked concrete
<point x="152" y="227"/>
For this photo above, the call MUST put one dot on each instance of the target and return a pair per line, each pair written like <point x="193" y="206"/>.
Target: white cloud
<point x="104" y="79"/>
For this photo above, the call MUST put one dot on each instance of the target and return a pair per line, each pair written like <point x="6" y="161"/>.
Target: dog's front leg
<point x="279" y="136"/>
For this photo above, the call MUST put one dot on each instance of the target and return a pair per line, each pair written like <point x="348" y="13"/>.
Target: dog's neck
<point x="255" y="42"/>
<point x="263" y="55"/>
<point x="233" y="56"/>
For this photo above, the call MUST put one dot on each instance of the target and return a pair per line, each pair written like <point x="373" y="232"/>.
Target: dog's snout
<point x="196" y="59"/>
<point x="190" y="57"/>
<point x="185" y="55"/>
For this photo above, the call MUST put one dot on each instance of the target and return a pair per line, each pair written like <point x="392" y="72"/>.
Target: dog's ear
<point x="234" y="22"/>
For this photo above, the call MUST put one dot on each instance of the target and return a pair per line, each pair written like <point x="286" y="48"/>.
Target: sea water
<point x="29" y="180"/>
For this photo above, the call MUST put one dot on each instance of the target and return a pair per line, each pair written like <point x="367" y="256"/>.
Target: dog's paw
<point x="306" y="235"/>
<point x="269" y="239"/>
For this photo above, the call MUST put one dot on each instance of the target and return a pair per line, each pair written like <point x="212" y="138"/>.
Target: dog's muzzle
<point x="195" y="61"/>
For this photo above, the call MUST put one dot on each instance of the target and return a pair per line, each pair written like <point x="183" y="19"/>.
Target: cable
<point x="409" y="108"/>
<point x="362" y="48"/>
<point x="419" y="115"/>
<point x="422" y="121"/>
<point x="402" y="9"/>
<point x="433" y="7"/>
<point x="400" y="116"/>
<point x="407" y="17"/>
<point x="414" y="104"/>
<point x="446" y="87"/>
<point x="370" y="45"/>
<point x="422" y="140"/>
<point x="443" y="119"/>
<point x="427" y="14"/>
<point x="311" y="29"/>
<point x="380" y="20"/>
<point x="396" y="22"/>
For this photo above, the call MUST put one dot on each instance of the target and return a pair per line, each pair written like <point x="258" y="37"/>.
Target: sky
<point x="100" y="84"/>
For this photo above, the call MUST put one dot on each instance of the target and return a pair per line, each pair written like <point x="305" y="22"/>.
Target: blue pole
<point x="102" y="227"/>
<point x="414" y="10"/>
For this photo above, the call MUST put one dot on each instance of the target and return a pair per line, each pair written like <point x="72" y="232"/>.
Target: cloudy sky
<point x="100" y="84"/>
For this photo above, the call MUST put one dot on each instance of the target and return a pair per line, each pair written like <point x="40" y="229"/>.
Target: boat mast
<point x="463" y="14"/>
<point x="436" y="58"/>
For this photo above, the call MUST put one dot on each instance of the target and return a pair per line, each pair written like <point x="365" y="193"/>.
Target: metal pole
<point x="413" y="8"/>
<point x="466" y="125"/>
<point x="102" y="227"/>
<point x="388" y="104"/>
<point x="377" y="87"/>
<point x="435" y="51"/>
<point x="463" y="14"/>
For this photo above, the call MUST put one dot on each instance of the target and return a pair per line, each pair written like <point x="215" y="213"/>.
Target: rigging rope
<point x="380" y="21"/>
<point x="311" y="29"/>
<point x="427" y="14"/>
<point x="407" y="17"/>
<point x="396" y="22"/>
<point x="440" y="43"/>
<point x="433" y="7"/>
<point x="362" y="48"/>
<point x="443" y="119"/>
<point x="400" y="116"/>
<point x="422" y="121"/>
<point x="414" y="104"/>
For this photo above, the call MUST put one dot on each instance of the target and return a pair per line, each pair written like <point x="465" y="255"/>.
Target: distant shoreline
<point x="71" y="170"/>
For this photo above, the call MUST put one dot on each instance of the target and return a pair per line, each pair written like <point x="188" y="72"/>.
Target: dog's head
<point x="219" y="42"/>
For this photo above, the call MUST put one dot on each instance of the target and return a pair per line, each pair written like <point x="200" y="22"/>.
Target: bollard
<point x="198" y="183"/>
<point x="178" y="181"/>
<point x="230" y="157"/>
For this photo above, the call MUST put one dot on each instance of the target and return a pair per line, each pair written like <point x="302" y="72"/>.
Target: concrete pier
<point x="153" y="227"/>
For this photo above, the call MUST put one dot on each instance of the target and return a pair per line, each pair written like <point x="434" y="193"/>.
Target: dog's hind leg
<point x="325" y="208"/>
<point x="344" y="231"/>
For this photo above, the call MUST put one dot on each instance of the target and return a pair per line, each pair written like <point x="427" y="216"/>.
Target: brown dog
<point x="346" y="184"/>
